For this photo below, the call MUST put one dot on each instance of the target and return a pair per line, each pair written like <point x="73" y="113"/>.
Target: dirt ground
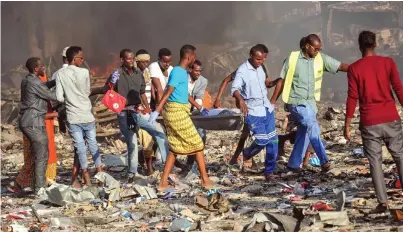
<point x="241" y="195"/>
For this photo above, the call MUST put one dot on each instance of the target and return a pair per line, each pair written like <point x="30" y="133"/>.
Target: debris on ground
<point x="241" y="201"/>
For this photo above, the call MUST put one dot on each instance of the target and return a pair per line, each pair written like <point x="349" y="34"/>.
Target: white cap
<point x="64" y="51"/>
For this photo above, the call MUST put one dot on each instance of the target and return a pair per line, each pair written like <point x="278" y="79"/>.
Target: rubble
<point x="338" y="200"/>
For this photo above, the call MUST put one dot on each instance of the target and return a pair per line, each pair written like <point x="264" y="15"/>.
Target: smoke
<point x="44" y="28"/>
<point x="104" y="27"/>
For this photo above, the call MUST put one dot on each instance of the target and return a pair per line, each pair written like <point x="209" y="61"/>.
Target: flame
<point x="97" y="71"/>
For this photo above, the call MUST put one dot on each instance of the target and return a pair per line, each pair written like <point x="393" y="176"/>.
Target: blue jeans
<point x="77" y="132"/>
<point x="264" y="131"/>
<point x="203" y="134"/>
<point x="308" y="130"/>
<point x="131" y="141"/>
<point x="156" y="131"/>
<point x="131" y="137"/>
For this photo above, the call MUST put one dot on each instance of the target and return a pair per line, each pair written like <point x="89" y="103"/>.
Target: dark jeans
<point x="372" y="138"/>
<point x="39" y="146"/>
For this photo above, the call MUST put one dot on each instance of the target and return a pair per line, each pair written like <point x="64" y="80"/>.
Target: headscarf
<point x="143" y="57"/>
<point x="146" y="72"/>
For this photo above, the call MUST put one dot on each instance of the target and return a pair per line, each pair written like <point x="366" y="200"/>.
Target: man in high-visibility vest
<point x="301" y="81"/>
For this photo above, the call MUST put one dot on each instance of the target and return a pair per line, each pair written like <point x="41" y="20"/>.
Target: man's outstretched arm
<point x="277" y="91"/>
<point x="343" y="67"/>
<point x="224" y="83"/>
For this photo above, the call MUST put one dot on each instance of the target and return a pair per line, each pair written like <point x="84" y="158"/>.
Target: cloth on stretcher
<point x="218" y="119"/>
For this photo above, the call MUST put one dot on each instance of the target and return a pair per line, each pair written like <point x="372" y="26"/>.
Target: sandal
<point x="15" y="188"/>
<point x="296" y="170"/>
<point x="326" y="167"/>
<point x="311" y="168"/>
<point x="169" y="189"/>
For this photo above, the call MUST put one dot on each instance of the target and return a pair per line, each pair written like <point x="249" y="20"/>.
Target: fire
<point x="97" y="71"/>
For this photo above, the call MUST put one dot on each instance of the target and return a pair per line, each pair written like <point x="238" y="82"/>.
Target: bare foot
<point x="150" y="172"/>
<point x="247" y="163"/>
<point x="164" y="187"/>
<point x="87" y="179"/>
<point x="76" y="185"/>
<point x="208" y="184"/>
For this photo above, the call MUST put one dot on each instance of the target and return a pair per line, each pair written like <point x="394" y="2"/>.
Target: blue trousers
<point x="308" y="130"/>
<point x="264" y="131"/>
<point x="77" y="132"/>
<point x="131" y="138"/>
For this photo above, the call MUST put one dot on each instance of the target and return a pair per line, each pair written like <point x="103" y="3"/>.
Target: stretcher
<point x="218" y="119"/>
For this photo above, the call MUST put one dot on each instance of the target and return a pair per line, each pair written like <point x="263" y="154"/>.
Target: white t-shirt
<point x="148" y="92"/>
<point x="148" y="87"/>
<point x="190" y="85"/>
<point x="190" y="89"/>
<point x="155" y="71"/>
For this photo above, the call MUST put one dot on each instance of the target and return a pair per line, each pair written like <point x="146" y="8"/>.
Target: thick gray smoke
<point x="222" y="31"/>
<point x="104" y="27"/>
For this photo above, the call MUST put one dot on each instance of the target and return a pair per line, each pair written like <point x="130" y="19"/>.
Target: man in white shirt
<point x="73" y="88"/>
<point x="160" y="71"/>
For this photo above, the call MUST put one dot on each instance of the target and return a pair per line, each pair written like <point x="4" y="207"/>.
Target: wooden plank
<point x="99" y="108"/>
<point x="105" y="114"/>
<point x="108" y="119"/>
<point x="109" y="132"/>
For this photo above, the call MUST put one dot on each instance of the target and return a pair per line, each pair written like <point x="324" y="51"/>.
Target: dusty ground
<point x="245" y="194"/>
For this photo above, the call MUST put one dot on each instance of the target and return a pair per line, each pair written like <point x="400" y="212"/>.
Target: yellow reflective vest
<point x="292" y="64"/>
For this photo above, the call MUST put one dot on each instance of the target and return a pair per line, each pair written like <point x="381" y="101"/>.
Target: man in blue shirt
<point x="183" y="138"/>
<point x="250" y="90"/>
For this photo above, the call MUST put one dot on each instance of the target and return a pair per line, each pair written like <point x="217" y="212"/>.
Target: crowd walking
<point x="154" y="90"/>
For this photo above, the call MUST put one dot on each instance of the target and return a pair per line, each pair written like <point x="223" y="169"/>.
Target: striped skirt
<point x="182" y="134"/>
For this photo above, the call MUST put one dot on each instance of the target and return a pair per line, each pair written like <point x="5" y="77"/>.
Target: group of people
<point x="158" y="88"/>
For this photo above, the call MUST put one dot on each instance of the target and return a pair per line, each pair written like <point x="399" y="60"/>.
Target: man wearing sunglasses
<point x="300" y="84"/>
<point x="73" y="88"/>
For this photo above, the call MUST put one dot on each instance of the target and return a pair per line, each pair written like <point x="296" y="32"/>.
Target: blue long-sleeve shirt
<point x="250" y="83"/>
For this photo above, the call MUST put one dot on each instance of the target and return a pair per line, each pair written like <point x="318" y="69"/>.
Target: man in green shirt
<point x="300" y="84"/>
